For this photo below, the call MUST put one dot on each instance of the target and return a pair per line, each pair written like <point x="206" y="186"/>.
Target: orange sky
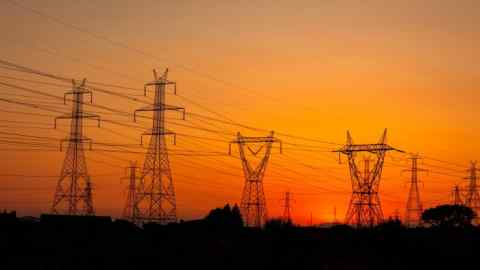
<point x="309" y="68"/>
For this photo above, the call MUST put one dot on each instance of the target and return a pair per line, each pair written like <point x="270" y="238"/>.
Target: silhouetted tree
<point x="449" y="216"/>
<point x="236" y="213"/>
<point x="225" y="218"/>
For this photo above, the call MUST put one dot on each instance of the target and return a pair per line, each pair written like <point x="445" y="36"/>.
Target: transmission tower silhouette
<point x="253" y="204"/>
<point x="73" y="194"/>
<point x="414" y="207"/>
<point x="155" y="196"/>
<point x="457" y="198"/>
<point x="287" y="207"/>
<point x="365" y="208"/>
<point x="472" y="198"/>
<point x="130" y="212"/>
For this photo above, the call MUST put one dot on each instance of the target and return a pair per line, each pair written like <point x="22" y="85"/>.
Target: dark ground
<point x="100" y="243"/>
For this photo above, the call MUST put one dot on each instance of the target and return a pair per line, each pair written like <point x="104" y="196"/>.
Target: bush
<point x="226" y="217"/>
<point x="449" y="216"/>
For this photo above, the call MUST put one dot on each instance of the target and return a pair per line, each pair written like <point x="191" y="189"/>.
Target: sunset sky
<point x="313" y="69"/>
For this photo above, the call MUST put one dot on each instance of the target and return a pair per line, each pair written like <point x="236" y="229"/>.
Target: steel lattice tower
<point x="253" y="204"/>
<point x="73" y="194"/>
<point x="287" y="207"/>
<point x="472" y="198"/>
<point x="414" y="207"/>
<point x="130" y="212"/>
<point x="155" y="197"/>
<point x="457" y="198"/>
<point x="365" y="208"/>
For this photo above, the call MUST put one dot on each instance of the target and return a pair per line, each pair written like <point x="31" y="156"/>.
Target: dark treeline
<point x="219" y="241"/>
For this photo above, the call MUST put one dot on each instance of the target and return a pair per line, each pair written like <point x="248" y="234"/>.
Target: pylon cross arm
<point x="162" y="107"/>
<point x="161" y="82"/>
<point x="372" y="148"/>
<point x="76" y="140"/>
<point x="255" y="140"/>
<point x="78" y="91"/>
<point x="77" y="116"/>
<point x="156" y="133"/>
<point x="247" y="140"/>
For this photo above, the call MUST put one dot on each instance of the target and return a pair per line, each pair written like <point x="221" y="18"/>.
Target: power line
<point x="128" y="47"/>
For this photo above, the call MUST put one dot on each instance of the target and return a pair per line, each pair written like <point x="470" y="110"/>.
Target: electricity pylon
<point x="414" y="207"/>
<point x="73" y="194"/>
<point x="253" y="204"/>
<point x="472" y="198"/>
<point x="130" y="212"/>
<point x="365" y="208"/>
<point x="457" y="198"/>
<point x="287" y="207"/>
<point x="155" y="196"/>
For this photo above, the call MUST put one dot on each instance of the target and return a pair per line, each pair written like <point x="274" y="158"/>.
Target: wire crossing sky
<point x="309" y="70"/>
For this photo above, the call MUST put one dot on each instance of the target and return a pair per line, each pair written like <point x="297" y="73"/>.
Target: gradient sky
<point x="309" y="68"/>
